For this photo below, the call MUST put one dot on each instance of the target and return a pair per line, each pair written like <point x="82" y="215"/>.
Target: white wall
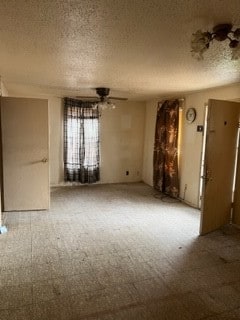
<point x="122" y="136"/>
<point x="190" y="154"/>
<point x="121" y="142"/>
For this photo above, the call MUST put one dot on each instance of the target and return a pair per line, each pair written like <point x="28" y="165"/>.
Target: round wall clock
<point x="191" y="115"/>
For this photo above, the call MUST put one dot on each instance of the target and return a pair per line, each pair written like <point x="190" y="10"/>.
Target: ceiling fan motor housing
<point x="103" y="92"/>
<point x="103" y="95"/>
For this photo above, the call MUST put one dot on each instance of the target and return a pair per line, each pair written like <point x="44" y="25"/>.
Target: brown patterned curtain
<point x="165" y="160"/>
<point x="81" y="141"/>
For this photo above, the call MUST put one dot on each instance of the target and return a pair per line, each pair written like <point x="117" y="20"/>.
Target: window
<point x="81" y="141"/>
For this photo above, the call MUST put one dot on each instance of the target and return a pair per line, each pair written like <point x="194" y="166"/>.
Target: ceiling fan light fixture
<point x="104" y="102"/>
<point x="200" y="41"/>
<point x="103" y="105"/>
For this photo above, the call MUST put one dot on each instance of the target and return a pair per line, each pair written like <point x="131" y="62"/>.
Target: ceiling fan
<point x="105" y="100"/>
<point x="103" y="95"/>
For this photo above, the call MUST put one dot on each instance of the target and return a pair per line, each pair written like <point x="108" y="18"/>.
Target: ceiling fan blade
<point x="103" y="95"/>
<point x="117" y="98"/>
<point x="91" y="97"/>
<point x="87" y="97"/>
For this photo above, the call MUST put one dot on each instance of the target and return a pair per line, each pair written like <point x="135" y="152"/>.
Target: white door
<point x="25" y="151"/>
<point x="222" y="129"/>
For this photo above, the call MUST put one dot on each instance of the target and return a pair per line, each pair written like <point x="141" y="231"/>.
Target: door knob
<point x="44" y="160"/>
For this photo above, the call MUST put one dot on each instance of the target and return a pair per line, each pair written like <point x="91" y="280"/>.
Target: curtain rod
<point x="179" y="99"/>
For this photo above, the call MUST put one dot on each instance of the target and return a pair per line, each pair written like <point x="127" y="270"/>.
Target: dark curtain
<point x="81" y="141"/>
<point x="165" y="160"/>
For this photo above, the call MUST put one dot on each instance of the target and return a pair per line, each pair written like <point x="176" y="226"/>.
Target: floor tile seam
<point x="144" y="302"/>
<point x="212" y="287"/>
<point x="214" y="265"/>
<point x="223" y="284"/>
<point x="139" y="300"/>
<point x="134" y="280"/>
<point x="219" y="313"/>
<point x="48" y="278"/>
<point x="33" y="304"/>
<point x="139" y="303"/>
<point x="9" y="269"/>
<point x="19" y="307"/>
<point x="61" y="295"/>
<point x="152" y="278"/>
<point x="169" y="296"/>
<point x="197" y="293"/>
<point x="226" y="245"/>
<point x="189" y="291"/>
<point x="232" y="283"/>
<point x="181" y="272"/>
<point x="64" y="278"/>
<point x="111" y="311"/>
<point x="19" y="284"/>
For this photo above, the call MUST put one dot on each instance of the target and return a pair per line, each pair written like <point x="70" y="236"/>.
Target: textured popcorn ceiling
<point x="139" y="48"/>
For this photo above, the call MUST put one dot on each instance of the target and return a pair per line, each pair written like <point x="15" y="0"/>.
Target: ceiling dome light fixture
<point x="201" y="40"/>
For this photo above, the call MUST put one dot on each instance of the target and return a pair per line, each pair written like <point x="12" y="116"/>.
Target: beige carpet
<point x="116" y="252"/>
